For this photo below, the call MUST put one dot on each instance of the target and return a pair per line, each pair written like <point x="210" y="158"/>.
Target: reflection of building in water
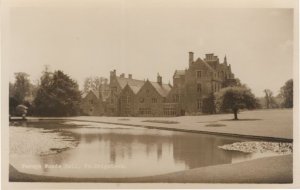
<point x="193" y="150"/>
<point x="203" y="151"/>
<point x="158" y="152"/>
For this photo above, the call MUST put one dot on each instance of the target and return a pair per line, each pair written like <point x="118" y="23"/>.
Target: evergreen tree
<point x="57" y="95"/>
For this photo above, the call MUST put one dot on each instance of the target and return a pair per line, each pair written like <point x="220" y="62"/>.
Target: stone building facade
<point x="91" y="104"/>
<point x="151" y="98"/>
<point x="126" y="96"/>
<point x="202" y="77"/>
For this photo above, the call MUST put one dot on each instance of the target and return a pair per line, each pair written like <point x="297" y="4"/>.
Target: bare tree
<point x="93" y="83"/>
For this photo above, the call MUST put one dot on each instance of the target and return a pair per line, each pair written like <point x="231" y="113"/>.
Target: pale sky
<point x="144" y="38"/>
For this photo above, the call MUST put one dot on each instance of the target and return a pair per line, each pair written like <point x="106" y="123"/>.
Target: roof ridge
<point x="205" y="63"/>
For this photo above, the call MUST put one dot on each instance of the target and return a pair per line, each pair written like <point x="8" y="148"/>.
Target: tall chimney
<point x="191" y="57"/>
<point x="113" y="74"/>
<point x="159" y="79"/>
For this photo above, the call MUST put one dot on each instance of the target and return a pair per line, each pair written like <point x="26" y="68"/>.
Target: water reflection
<point x="128" y="152"/>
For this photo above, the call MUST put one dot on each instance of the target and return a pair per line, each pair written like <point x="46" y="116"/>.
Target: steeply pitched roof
<point x="163" y="89"/>
<point x="134" y="84"/>
<point x="179" y="73"/>
<point x="199" y="60"/>
<point x="91" y="91"/>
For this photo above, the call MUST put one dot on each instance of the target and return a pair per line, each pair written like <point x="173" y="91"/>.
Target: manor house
<point x="126" y="96"/>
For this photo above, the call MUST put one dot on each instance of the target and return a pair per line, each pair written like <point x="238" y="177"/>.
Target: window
<point x="199" y="74"/>
<point x="144" y="111"/>
<point x="142" y="100"/>
<point x="175" y="98"/>
<point x="126" y="99"/>
<point x="92" y="102"/>
<point x="154" y="100"/>
<point x="199" y="105"/>
<point x="169" y="111"/>
<point x="199" y="87"/>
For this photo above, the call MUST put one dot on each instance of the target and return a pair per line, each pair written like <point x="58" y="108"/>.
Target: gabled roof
<point x="179" y="73"/>
<point x="90" y="91"/>
<point x="199" y="60"/>
<point x="163" y="89"/>
<point x="134" y="84"/>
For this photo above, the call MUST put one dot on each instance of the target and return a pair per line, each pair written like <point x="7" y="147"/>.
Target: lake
<point x="87" y="149"/>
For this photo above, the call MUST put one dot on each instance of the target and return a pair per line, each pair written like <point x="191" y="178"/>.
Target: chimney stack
<point x="209" y="57"/>
<point x="159" y="79"/>
<point x="130" y="76"/>
<point x="122" y="75"/>
<point x="191" y="57"/>
<point x="113" y="73"/>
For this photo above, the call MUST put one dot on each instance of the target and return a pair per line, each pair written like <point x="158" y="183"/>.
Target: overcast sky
<point x="147" y="38"/>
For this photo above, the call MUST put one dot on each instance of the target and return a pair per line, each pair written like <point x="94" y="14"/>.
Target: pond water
<point x="86" y="149"/>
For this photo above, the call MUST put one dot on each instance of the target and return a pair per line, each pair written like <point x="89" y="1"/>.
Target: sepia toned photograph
<point x="148" y="92"/>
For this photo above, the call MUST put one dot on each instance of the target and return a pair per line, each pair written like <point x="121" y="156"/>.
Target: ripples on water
<point x="85" y="149"/>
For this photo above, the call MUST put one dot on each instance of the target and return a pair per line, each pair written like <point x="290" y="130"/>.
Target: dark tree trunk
<point x="235" y="112"/>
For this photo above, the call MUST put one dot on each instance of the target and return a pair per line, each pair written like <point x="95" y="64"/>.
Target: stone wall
<point x="148" y="102"/>
<point x="90" y="105"/>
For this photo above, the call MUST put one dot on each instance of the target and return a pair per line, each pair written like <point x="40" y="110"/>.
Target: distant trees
<point x="209" y="104"/>
<point x="270" y="101"/>
<point x="57" y="95"/>
<point x="20" y="92"/>
<point x="93" y="83"/>
<point x="235" y="98"/>
<point x="21" y="88"/>
<point x="286" y="92"/>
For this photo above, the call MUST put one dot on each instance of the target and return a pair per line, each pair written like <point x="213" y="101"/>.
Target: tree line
<point x="57" y="94"/>
<point x="237" y="97"/>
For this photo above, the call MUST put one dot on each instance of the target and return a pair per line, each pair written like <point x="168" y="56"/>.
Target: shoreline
<point x="271" y="125"/>
<point x="256" y="137"/>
